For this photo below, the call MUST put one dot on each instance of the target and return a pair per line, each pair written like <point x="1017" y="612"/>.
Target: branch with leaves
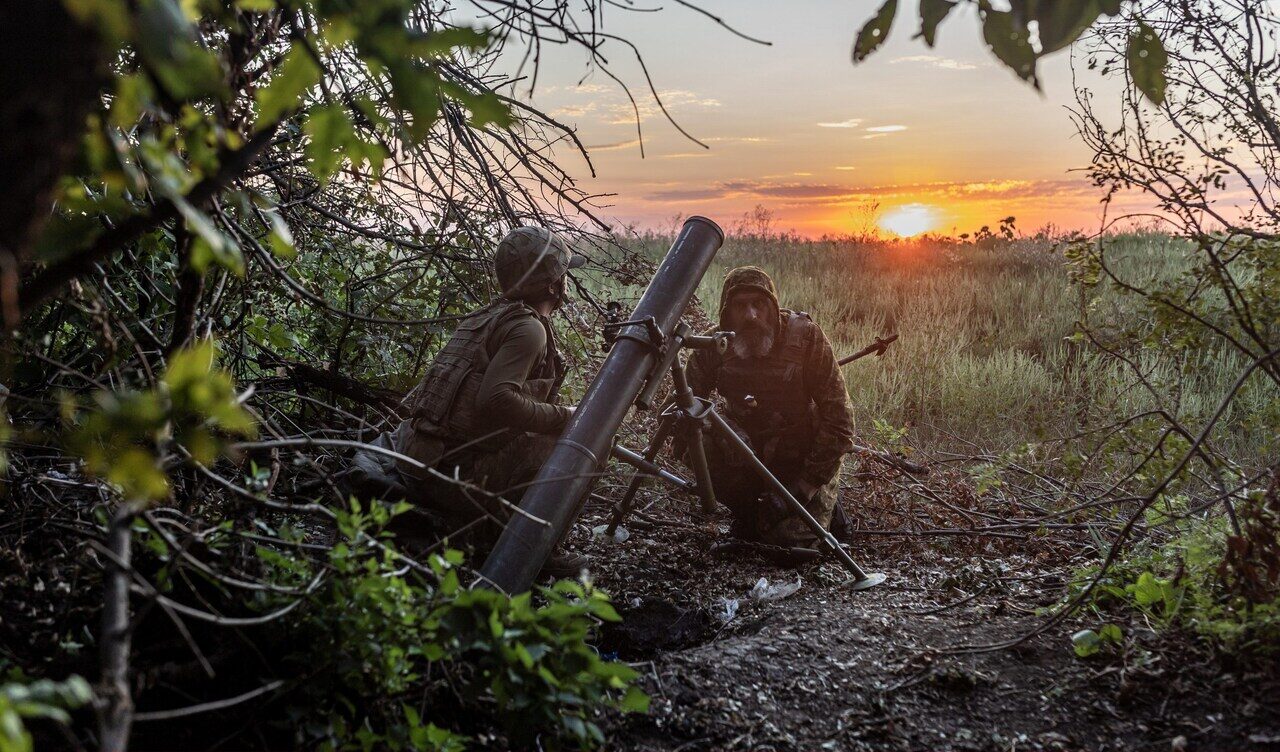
<point x="1030" y="30"/>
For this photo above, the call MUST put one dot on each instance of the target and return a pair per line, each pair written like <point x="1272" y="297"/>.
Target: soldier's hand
<point x="804" y="491"/>
<point x="776" y="506"/>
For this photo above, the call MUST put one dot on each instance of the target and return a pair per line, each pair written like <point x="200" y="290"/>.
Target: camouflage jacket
<point x="801" y="410"/>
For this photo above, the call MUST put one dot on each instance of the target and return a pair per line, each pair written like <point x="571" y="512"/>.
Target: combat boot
<point x="564" y="566"/>
<point x="743" y="529"/>
<point x="841" y="525"/>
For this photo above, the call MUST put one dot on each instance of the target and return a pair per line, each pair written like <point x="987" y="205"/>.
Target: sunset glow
<point x="904" y="143"/>
<point x="910" y="219"/>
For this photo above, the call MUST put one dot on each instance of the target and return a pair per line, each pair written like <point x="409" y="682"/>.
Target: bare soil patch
<point x="827" y="668"/>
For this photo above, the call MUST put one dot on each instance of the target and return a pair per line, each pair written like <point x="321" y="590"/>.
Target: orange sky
<point x="796" y="127"/>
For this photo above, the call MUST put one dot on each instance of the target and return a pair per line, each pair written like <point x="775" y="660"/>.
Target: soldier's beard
<point x="753" y="341"/>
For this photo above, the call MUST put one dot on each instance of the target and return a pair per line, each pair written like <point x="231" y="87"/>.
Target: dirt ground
<point x="828" y="668"/>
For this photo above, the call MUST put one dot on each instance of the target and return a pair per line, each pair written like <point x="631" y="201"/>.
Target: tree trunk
<point x="115" y="716"/>
<point x="51" y="71"/>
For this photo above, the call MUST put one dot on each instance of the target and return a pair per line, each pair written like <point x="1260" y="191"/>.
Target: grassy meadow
<point x="985" y="358"/>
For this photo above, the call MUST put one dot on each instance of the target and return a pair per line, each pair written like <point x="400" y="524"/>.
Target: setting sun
<point x="909" y="220"/>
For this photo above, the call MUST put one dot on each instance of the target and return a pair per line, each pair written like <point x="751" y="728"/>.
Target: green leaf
<point x="635" y="701"/>
<point x="1111" y="633"/>
<point x="441" y="42"/>
<point x="132" y="97"/>
<point x="875" y="31"/>
<point x="1061" y="23"/>
<point x="167" y="43"/>
<point x="109" y="18"/>
<point x="487" y="108"/>
<point x="1147" y="60"/>
<point x="333" y="139"/>
<point x="197" y="222"/>
<point x="43" y="699"/>
<point x="200" y="392"/>
<point x="445" y="740"/>
<point x="281" y="238"/>
<point x="330" y="131"/>
<point x="1011" y="43"/>
<point x="1146" y="590"/>
<point x="209" y="246"/>
<point x="416" y="89"/>
<point x="1086" y="642"/>
<point x="134" y="470"/>
<point x="283" y="95"/>
<point x="931" y="14"/>
<point x="205" y="254"/>
<point x="190" y="366"/>
<point x="615" y="670"/>
<point x="256" y="6"/>
<point x="605" y="610"/>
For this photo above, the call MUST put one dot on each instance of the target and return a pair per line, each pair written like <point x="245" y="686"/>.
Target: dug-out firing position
<point x="645" y="348"/>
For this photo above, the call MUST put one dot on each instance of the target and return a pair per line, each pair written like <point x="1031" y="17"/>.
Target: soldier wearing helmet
<point x="487" y="411"/>
<point x="785" y="395"/>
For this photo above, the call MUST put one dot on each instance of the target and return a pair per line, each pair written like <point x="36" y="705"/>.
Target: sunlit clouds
<point x="850" y="123"/>
<point x="916" y="139"/>
<point x="945" y="63"/>
<point x="824" y="207"/>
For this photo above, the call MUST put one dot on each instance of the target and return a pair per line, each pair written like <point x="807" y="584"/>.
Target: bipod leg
<point x="623" y="508"/>
<point x="862" y="580"/>
<point x="688" y="404"/>
<point x="701" y="471"/>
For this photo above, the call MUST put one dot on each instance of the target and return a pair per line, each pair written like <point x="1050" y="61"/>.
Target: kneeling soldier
<point x="785" y="395"/>
<point x="487" y="410"/>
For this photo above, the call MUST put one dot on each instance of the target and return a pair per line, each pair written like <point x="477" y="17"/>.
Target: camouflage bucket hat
<point x="746" y="278"/>
<point x="530" y="258"/>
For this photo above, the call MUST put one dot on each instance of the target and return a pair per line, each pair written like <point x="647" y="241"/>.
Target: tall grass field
<point x="986" y="358"/>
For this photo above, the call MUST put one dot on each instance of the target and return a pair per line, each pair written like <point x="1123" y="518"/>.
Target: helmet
<point x="530" y="258"/>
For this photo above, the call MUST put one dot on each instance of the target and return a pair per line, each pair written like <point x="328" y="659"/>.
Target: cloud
<point x="679" y="195"/>
<point x="622" y="112"/>
<point x="994" y="187"/>
<point x="787" y="190"/>
<point x="614" y="145"/>
<point x="887" y="129"/>
<point x="935" y="61"/>
<point x="737" y="140"/>
<point x="611" y="105"/>
<point x="574" y="110"/>
<point x="845" y="168"/>
<point x="791" y="193"/>
<point x="850" y="123"/>
<point x="1017" y="189"/>
<point x="802" y="193"/>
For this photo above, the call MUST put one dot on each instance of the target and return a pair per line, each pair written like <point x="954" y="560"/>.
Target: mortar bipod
<point x="674" y="418"/>
<point x="696" y="415"/>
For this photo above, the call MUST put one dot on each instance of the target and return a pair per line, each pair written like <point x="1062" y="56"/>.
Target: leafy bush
<point x="1188" y="581"/>
<point x="395" y="658"/>
<point x="39" y="699"/>
<point x="126" y="438"/>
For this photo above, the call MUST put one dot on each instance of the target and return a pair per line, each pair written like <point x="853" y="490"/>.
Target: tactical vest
<point x="446" y="405"/>
<point x="781" y="423"/>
